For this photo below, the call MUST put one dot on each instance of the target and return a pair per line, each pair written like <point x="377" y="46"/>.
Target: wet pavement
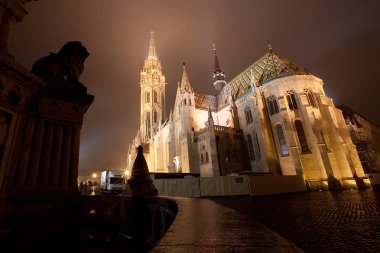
<point x="202" y="225"/>
<point x="344" y="221"/>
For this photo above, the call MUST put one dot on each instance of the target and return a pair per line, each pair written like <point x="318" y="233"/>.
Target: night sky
<point x="337" y="41"/>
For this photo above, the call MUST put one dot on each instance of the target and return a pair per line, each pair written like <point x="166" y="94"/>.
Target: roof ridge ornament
<point x="269" y="45"/>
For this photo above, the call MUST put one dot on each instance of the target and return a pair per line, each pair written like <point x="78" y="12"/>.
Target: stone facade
<point x="366" y="137"/>
<point x="40" y="122"/>
<point x="273" y="118"/>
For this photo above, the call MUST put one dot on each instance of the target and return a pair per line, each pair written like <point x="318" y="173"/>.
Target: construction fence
<point x="229" y="185"/>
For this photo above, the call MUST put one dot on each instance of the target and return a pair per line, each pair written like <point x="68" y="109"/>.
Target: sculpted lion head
<point x="67" y="64"/>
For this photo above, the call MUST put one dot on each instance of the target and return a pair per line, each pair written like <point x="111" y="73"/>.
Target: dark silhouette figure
<point x="334" y="184"/>
<point x="140" y="183"/>
<point x="359" y="182"/>
<point x="67" y="64"/>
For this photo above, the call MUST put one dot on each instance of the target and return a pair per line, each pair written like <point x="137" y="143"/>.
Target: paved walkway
<point x="344" y="221"/>
<point x="202" y="225"/>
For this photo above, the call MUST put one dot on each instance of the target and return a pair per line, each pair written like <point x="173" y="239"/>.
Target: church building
<point x="274" y="118"/>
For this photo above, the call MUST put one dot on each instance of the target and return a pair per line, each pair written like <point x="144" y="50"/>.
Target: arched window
<point x="248" y="115"/>
<point x="202" y="161"/>
<point x="147" y="98"/>
<point x="273" y="105"/>
<point x="282" y="141"/>
<point x="184" y="101"/>
<point x="301" y="136"/>
<point x="257" y="145"/>
<point x="147" y="123"/>
<point x="251" y="150"/>
<point x="155" y="97"/>
<point x="310" y="97"/>
<point x="206" y="157"/>
<point x="155" y="116"/>
<point x="148" y="116"/>
<point x="291" y="98"/>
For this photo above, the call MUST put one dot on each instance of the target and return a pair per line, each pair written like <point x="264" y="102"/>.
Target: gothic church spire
<point x="152" y="48"/>
<point x="152" y="99"/>
<point x="218" y="73"/>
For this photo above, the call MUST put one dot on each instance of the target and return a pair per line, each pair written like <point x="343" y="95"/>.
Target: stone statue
<point x="67" y="64"/>
<point x="333" y="183"/>
<point x="140" y="182"/>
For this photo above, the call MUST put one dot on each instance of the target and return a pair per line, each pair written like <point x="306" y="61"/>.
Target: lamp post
<point x="94" y="183"/>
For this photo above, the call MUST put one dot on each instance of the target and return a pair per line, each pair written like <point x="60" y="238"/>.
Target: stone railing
<point x="230" y="130"/>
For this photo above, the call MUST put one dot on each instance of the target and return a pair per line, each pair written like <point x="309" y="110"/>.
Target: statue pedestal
<point x="143" y="189"/>
<point x="40" y="124"/>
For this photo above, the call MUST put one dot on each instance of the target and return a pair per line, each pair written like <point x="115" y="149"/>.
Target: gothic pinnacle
<point x="152" y="48"/>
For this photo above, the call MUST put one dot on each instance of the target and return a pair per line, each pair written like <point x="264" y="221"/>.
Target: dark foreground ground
<point x="344" y="221"/>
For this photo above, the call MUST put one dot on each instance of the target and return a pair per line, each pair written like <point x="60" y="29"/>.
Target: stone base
<point x="143" y="189"/>
<point x="39" y="222"/>
<point x="315" y="185"/>
<point x="345" y="184"/>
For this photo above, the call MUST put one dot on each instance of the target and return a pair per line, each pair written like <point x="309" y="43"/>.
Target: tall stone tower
<point x="152" y="84"/>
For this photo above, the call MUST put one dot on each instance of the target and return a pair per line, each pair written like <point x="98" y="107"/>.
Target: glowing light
<point x="94" y="175"/>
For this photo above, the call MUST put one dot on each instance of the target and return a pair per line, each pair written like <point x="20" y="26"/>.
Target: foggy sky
<point x="337" y="41"/>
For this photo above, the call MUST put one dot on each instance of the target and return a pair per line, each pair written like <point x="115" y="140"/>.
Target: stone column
<point x="25" y="151"/>
<point x="66" y="155"/>
<point x="10" y="12"/>
<point x="46" y="156"/>
<point x="74" y="161"/>
<point x="36" y="155"/>
<point x="11" y="172"/>
<point x="56" y="156"/>
<point x="6" y="29"/>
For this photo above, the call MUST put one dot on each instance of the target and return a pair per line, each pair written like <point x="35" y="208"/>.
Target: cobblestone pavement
<point x="203" y="226"/>
<point x="344" y="221"/>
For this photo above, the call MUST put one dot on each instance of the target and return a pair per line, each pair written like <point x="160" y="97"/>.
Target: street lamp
<point x="94" y="183"/>
<point x="126" y="173"/>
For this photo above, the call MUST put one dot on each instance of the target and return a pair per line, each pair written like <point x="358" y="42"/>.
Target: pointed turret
<point x="218" y="74"/>
<point x="234" y="112"/>
<point x="210" y="119"/>
<point x="185" y="83"/>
